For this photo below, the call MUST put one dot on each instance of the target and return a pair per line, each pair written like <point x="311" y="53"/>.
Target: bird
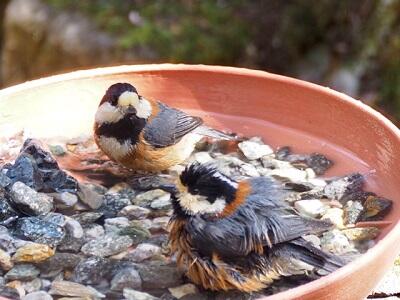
<point x="230" y="235"/>
<point x="146" y="135"/>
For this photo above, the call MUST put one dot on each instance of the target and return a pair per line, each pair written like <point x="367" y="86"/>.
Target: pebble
<point x="74" y="228"/>
<point x="40" y="231"/>
<point x="7" y="242"/>
<point x="144" y="251"/>
<point x="113" y="204"/>
<point x="160" y="224"/>
<point x="126" y="278"/>
<point x="162" y="203"/>
<point x="58" y="262"/>
<point x="90" y="197"/>
<point x="114" y="225"/>
<point x="68" y="288"/>
<point x="55" y="218"/>
<point x="336" y="242"/>
<point x="71" y="244"/>
<point x="352" y="211"/>
<point x="39" y="170"/>
<point x="335" y="215"/>
<point x="311" y="208"/>
<point x="16" y="284"/>
<point x="183" y="290"/>
<point x="36" y="203"/>
<point x="32" y="286"/>
<point x="22" y="272"/>
<point x="91" y="270"/>
<point x="134" y="212"/>
<point x="158" y="275"/>
<point x="252" y="150"/>
<point x="131" y="294"/>
<point x="7" y="213"/>
<point x="375" y="208"/>
<point x="343" y="186"/>
<point x="33" y="252"/>
<point x="5" y="261"/>
<point x="202" y="157"/>
<point x="57" y="150"/>
<point x="319" y="163"/>
<point x="92" y="232"/>
<point x="64" y="199"/>
<point x="87" y="217"/>
<point x="249" y="170"/>
<point x="136" y="232"/>
<point x="146" y="198"/>
<point x="4" y="180"/>
<point x="361" y="233"/>
<point x="292" y="174"/>
<point x="108" y="245"/>
<point x="9" y="292"/>
<point x="40" y="295"/>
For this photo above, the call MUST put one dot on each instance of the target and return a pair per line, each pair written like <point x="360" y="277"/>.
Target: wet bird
<point x="146" y="135"/>
<point x="241" y="235"/>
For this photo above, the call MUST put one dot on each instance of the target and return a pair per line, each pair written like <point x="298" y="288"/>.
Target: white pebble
<point x="311" y="208"/>
<point x="253" y="150"/>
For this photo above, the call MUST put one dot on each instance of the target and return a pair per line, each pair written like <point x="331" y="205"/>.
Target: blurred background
<point x="351" y="46"/>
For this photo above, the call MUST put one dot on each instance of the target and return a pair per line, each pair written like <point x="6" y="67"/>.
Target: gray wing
<point x="256" y="224"/>
<point x="169" y="126"/>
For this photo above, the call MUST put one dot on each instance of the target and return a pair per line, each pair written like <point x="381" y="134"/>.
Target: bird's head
<point x="119" y="101"/>
<point x="203" y="190"/>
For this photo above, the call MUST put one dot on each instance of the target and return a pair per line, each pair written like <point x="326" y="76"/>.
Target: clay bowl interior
<point x="282" y="110"/>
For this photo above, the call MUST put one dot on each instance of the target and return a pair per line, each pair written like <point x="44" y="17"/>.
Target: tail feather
<point x="213" y="133"/>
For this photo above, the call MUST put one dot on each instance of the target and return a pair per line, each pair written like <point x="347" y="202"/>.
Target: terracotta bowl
<point x="283" y="110"/>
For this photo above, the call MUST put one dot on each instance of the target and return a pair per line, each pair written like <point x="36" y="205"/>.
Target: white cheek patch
<point x="128" y="98"/>
<point x="106" y="113"/>
<point x="143" y="109"/>
<point x="111" y="145"/>
<point x="195" y="204"/>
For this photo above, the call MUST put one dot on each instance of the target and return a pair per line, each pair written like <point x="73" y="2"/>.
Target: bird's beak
<point x="130" y="110"/>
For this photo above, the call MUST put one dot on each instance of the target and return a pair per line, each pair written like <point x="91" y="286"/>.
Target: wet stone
<point x="22" y="272"/>
<point x="32" y="286"/>
<point x="361" y="233"/>
<point x="131" y="294"/>
<point x="92" y="270"/>
<point x="92" y="232"/>
<point x="74" y="228"/>
<point x="376" y="208"/>
<point x="134" y="212"/>
<point x="9" y="292"/>
<point x="87" y="217"/>
<point x="71" y="244"/>
<point x="143" y="252"/>
<point x="126" y="278"/>
<point x="7" y="213"/>
<point x="159" y="275"/>
<point x="64" y="200"/>
<point x="5" y="261"/>
<point x="146" y="198"/>
<point x="311" y="208"/>
<point x="40" y="295"/>
<point x="108" y="245"/>
<point x="352" y="212"/>
<point x="183" y="290"/>
<point x="112" y="205"/>
<point x="4" y="180"/>
<point x="89" y="196"/>
<point x="335" y="242"/>
<point x="339" y="188"/>
<point x="136" y="233"/>
<point x="7" y="242"/>
<point x="60" y="261"/>
<point x="31" y="201"/>
<point x="39" y="170"/>
<point x="55" y="218"/>
<point x="68" y="288"/>
<point x="253" y="150"/>
<point x="335" y="216"/>
<point x="114" y="225"/>
<point x="33" y="252"/>
<point x="39" y="231"/>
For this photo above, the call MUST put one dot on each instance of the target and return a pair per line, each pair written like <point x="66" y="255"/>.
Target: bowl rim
<point x="391" y="237"/>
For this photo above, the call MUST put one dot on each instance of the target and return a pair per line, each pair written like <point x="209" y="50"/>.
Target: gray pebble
<point x="40" y="295"/>
<point x="134" y="212"/>
<point x="74" y="228"/>
<point x="108" y="245"/>
<point x="89" y="196"/>
<point x="131" y="294"/>
<point x="144" y="251"/>
<point x="145" y="199"/>
<point x="36" y="203"/>
<point x="93" y="231"/>
<point x="126" y="278"/>
<point x="64" y="200"/>
<point x="91" y="270"/>
<point x="22" y="272"/>
<point x="114" y="225"/>
<point x="136" y="232"/>
<point x="159" y="275"/>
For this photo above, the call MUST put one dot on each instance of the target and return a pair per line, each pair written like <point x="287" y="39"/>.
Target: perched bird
<point x="241" y="235"/>
<point x="143" y="134"/>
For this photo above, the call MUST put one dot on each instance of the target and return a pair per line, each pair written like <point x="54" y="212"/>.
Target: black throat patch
<point x="126" y="129"/>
